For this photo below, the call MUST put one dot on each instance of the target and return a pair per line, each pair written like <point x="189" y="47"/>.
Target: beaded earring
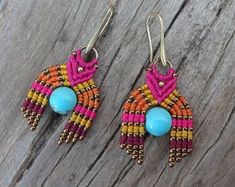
<point x="157" y="107"/>
<point x="68" y="87"/>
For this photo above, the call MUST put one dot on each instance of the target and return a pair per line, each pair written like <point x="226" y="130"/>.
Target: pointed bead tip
<point x="81" y="137"/>
<point x="74" y="140"/>
<point x="33" y="128"/>
<point x="122" y="146"/>
<point x="67" y="141"/>
<point x="140" y="161"/>
<point x="134" y="157"/>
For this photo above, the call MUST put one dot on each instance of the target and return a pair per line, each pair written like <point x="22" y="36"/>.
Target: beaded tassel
<point x="76" y="74"/>
<point x="159" y="90"/>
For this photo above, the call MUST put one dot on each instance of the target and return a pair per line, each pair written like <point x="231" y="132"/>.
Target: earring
<point x="68" y="87"/>
<point x="157" y="107"/>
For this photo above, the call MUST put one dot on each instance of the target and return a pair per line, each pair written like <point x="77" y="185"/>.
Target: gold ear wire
<point x="105" y="22"/>
<point x="162" y="46"/>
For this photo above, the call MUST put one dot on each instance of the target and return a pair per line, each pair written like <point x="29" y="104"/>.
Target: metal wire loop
<point x="93" y="49"/>
<point x="162" y="46"/>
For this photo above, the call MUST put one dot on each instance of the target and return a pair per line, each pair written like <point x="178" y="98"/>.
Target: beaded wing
<point x="159" y="90"/>
<point x="76" y="74"/>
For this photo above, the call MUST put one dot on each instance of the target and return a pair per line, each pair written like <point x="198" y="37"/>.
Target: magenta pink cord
<point x="74" y="62"/>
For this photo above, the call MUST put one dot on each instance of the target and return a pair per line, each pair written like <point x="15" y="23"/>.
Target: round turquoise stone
<point x="158" y="121"/>
<point x="63" y="100"/>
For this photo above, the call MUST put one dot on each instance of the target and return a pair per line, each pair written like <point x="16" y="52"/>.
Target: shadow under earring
<point x="158" y="108"/>
<point x="68" y="87"/>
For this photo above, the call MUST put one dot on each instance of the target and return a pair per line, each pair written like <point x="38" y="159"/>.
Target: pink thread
<point x="45" y="90"/>
<point x="72" y="65"/>
<point x="153" y="79"/>
<point x="85" y="111"/>
<point x="136" y="117"/>
<point x="131" y="117"/>
<point x="139" y="118"/>
<point x="90" y="114"/>
<point x="190" y="123"/>
<point x="179" y="123"/>
<point x="174" y="122"/>
<point x="185" y="123"/>
<point x="142" y="118"/>
<point x="124" y="117"/>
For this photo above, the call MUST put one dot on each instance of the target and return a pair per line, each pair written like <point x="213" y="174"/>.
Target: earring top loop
<point x="93" y="49"/>
<point x="162" y="46"/>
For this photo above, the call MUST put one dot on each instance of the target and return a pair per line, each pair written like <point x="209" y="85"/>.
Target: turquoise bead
<point x="158" y="121"/>
<point x="63" y="100"/>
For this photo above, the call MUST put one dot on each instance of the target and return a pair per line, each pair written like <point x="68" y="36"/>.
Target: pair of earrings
<point x="156" y="107"/>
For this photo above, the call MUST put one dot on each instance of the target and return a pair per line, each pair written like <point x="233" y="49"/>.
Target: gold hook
<point x="105" y="22"/>
<point x="162" y="46"/>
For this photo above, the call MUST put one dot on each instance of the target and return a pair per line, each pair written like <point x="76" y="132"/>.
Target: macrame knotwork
<point x="77" y="75"/>
<point x="159" y="90"/>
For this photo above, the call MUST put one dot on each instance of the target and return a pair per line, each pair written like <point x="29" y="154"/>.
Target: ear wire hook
<point x="162" y="46"/>
<point x="105" y="22"/>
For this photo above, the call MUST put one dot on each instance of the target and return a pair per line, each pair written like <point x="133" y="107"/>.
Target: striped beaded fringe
<point x="133" y="117"/>
<point x="80" y="121"/>
<point x="180" y="143"/>
<point x="37" y="98"/>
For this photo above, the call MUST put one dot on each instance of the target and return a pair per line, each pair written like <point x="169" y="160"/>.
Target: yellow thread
<point x="168" y="101"/>
<point x="76" y="89"/>
<point x="35" y="97"/>
<point x="173" y="133"/>
<point x="136" y="129"/>
<point x="154" y="102"/>
<point x="73" y="117"/>
<point x="78" y="119"/>
<point x="83" y="122"/>
<point x="124" y="128"/>
<point x="149" y="95"/>
<point x="64" y="77"/>
<point x="190" y="134"/>
<point x="175" y="93"/>
<point x="130" y="129"/>
<point x="40" y="98"/>
<point x="144" y="87"/>
<point x="63" y="72"/>
<point x="141" y="129"/>
<point x="80" y="86"/>
<point x="44" y="101"/>
<point x="91" y="81"/>
<point x="178" y="133"/>
<point x="184" y="133"/>
<point x="88" y="124"/>
<point x="171" y="96"/>
<point x="147" y="92"/>
<point x="66" y="83"/>
<point x="63" y="66"/>
<point x="30" y="94"/>
<point x="164" y="105"/>
<point x="85" y="84"/>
